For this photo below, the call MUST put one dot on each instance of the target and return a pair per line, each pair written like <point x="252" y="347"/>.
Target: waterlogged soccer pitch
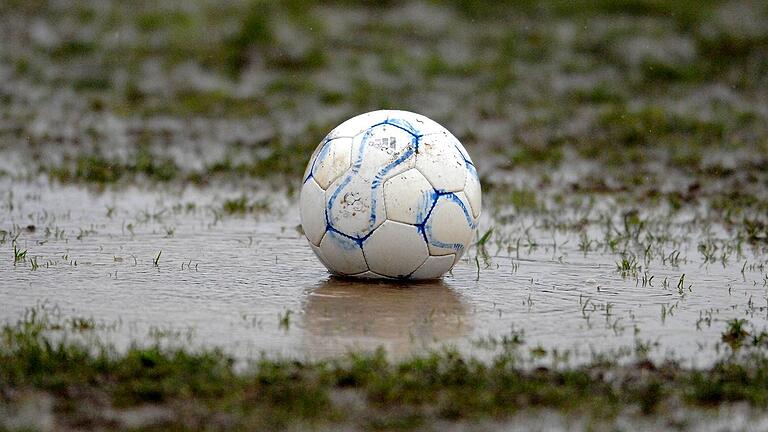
<point x="561" y="282"/>
<point x="151" y="160"/>
<point x="615" y="217"/>
<point x="200" y="266"/>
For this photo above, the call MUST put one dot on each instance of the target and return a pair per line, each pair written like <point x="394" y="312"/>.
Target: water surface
<point x="250" y="284"/>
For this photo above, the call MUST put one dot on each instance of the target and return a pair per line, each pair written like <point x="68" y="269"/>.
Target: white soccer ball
<point x="390" y="194"/>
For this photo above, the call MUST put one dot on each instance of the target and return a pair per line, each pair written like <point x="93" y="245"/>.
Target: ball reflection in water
<point x="344" y="314"/>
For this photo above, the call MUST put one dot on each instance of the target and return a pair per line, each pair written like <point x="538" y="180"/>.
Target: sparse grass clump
<point x="275" y="159"/>
<point x="241" y="205"/>
<point x="653" y="126"/>
<point x="628" y="265"/>
<point x="255" y="31"/>
<point x="96" y="169"/>
<point x="236" y="205"/>
<point x="735" y="333"/>
<point x="18" y="254"/>
<point x="523" y="199"/>
<point x="551" y="154"/>
<point x="755" y="230"/>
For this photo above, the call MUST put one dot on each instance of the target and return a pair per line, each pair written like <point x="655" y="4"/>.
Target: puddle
<point x="251" y="285"/>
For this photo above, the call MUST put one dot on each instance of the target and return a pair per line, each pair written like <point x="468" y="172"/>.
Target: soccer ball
<point x="390" y="194"/>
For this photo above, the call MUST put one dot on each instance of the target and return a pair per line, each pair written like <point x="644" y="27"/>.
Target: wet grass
<point x="205" y="389"/>
<point x="631" y="120"/>
<point x="211" y="103"/>
<point x="96" y="169"/>
<point x="243" y="205"/>
<point x="283" y="160"/>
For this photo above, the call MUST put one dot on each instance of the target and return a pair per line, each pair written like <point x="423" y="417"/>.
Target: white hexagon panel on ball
<point x="390" y="194"/>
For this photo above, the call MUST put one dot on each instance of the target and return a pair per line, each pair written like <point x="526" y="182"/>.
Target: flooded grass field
<point x="175" y="264"/>
<point x="150" y="161"/>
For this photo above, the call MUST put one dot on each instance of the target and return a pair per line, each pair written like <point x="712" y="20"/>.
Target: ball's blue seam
<point x="428" y="230"/>
<point x="313" y="162"/>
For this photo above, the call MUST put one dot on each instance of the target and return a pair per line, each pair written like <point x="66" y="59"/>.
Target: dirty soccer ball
<point x="390" y="194"/>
